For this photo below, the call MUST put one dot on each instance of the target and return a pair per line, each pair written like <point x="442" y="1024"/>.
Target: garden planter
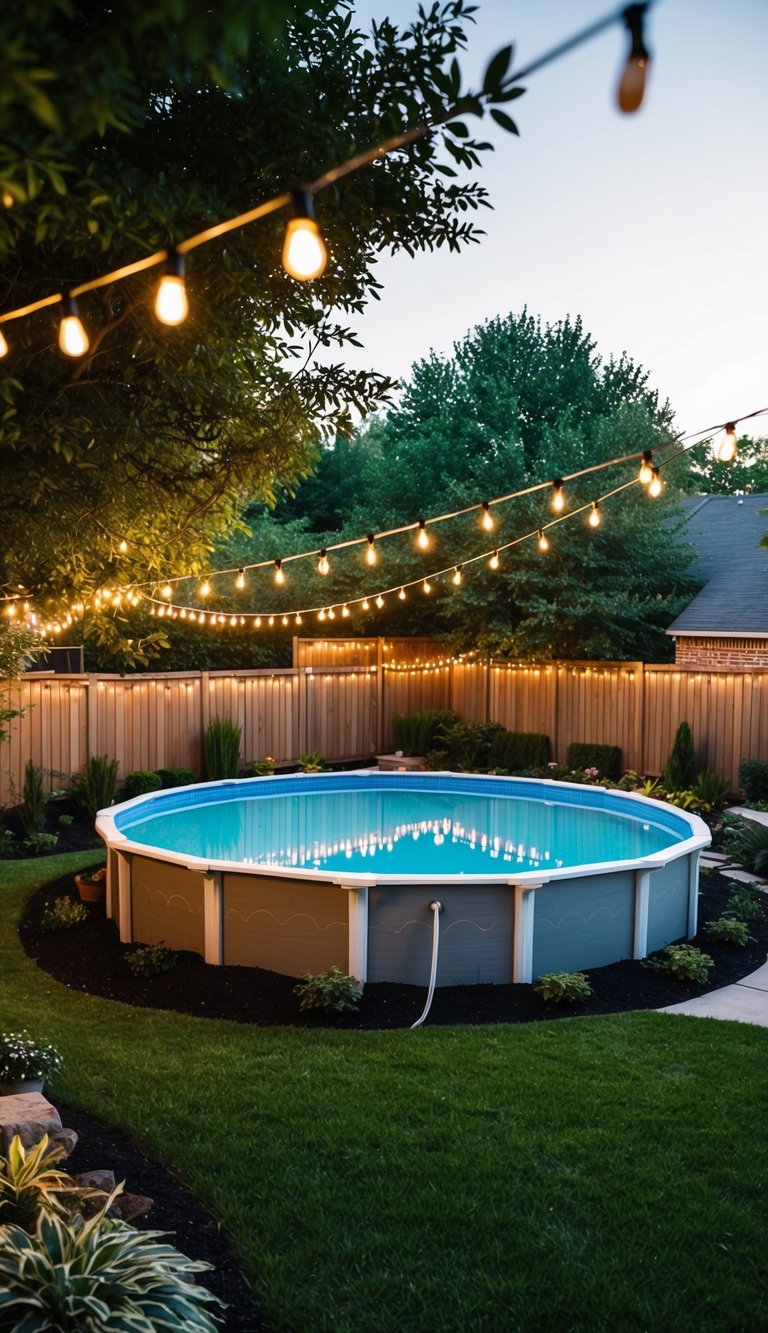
<point x="21" y="1085"/>
<point x="91" y="893"/>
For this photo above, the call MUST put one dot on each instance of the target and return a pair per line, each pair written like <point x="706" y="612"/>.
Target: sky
<point x="652" y="227"/>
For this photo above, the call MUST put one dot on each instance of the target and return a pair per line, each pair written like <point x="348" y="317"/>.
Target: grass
<point x="586" y="1174"/>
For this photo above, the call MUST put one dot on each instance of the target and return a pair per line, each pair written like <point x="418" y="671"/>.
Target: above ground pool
<point x="298" y="873"/>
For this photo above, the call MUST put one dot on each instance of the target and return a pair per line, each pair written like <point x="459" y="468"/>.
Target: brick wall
<point x="718" y="654"/>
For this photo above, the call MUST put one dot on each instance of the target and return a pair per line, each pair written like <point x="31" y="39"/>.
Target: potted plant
<point x="92" y="885"/>
<point x="25" y="1064"/>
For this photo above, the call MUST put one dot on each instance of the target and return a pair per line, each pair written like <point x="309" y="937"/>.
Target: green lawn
<point x="588" y="1174"/>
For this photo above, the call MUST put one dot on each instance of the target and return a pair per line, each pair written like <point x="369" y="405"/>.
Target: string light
<point x="3" y="345"/>
<point x="486" y="522"/>
<point x="543" y="540"/>
<point x="345" y="611"/>
<point x="379" y="601"/>
<point x="594" y="515"/>
<point x="656" y="486"/>
<point x="279" y="573"/>
<point x="457" y="576"/>
<point x="366" y="604"/>
<point x="323" y="564"/>
<point x="402" y="594"/>
<point x="646" y="468"/>
<point x="240" y="580"/>
<point x="167" y="591"/>
<point x="558" y="496"/>
<point x="305" y="254"/>
<point x="632" y="85"/>
<point x="171" y="304"/>
<point x="494" y="561"/>
<point x="726" y="448"/>
<point x="422" y="537"/>
<point x="371" y="555"/>
<point x="426" y="586"/>
<point x="73" y="339"/>
<point x="205" y="588"/>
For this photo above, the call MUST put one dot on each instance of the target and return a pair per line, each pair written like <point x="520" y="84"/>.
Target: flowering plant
<point x="22" y="1057"/>
<point x="93" y="876"/>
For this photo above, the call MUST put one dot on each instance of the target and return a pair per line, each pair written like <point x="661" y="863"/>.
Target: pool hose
<point x="436" y="907"/>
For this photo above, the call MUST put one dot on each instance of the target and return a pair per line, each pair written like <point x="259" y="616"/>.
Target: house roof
<point x="725" y="531"/>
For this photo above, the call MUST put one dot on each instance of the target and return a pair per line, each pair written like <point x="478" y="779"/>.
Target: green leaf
<point x="458" y="128"/>
<point x="506" y="122"/>
<point x="497" y="68"/>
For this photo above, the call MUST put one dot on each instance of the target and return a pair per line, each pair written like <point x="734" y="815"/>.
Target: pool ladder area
<point x="436" y="908"/>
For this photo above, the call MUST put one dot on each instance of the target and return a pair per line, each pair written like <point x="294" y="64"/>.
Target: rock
<point x="96" y="1180"/>
<point x="28" y="1114"/>
<point x="65" y="1139"/>
<point x="129" y="1206"/>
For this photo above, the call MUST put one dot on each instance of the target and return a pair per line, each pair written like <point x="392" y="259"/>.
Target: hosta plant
<point x="100" y="1275"/>
<point x="554" y="987"/>
<point x="150" y="960"/>
<point x="684" y="962"/>
<point x="62" y="914"/>
<point x="727" y="930"/>
<point x="331" y="990"/>
<point x="30" y="1182"/>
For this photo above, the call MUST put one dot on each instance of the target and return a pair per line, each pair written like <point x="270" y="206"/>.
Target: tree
<point x="124" y="132"/>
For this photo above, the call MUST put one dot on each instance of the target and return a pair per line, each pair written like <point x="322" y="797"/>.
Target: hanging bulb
<point x="240" y="580"/>
<point x="279" y="573"/>
<point x="422" y="537"/>
<point x="725" y="450"/>
<point x="345" y="611"/>
<point x="401" y="594"/>
<point x="594" y="515"/>
<point x="321" y="616"/>
<point x="379" y="601"/>
<point x="331" y="614"/>
<point x="298" y="620"/>
<point x="305" y="254"/>
<point x="366" y="604"/>
<point x="457" y="576"/>
<point x="205" y="588"/>
<point x="543" y="541"/>
<point x="171" y="304"/>
<point x="167" y="591"/>
<point x="3" y="345"/>
<point x="646" y="467"/>
<point x="487" y="520"/>
<point x="73" y="339"/>
<point x="122" y="546"/>
<point x="426" y="586"/>
<point x="494" y="561"/>
<point x="558" y="495"/>
<point x="371" y="556"/>
<point x="323" y="564"/>
<point x="257" y="622"/>
<point x="656" y="486"/>
<point x="285" y="620"/>
<point x="632" y="86"/>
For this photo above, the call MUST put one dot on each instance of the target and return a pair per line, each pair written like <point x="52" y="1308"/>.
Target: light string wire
<point x="329" y="177"/>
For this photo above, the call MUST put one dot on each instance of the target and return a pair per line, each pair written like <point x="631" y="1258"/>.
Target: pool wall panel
<point x="167" y="904"/>
<point x="476" y="930"/>
<point x="288" y="926"/>
<point x="583" y="923"/>
<point x="668" y="904"/>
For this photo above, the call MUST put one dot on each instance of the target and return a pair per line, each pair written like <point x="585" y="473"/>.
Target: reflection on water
<point x="401" y="833"/>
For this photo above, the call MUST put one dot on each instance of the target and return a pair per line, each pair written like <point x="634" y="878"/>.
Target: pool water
<point x="406" y="832"/>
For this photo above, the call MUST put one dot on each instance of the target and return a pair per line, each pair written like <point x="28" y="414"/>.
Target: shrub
<point x="66" y="820"/>
<point x="41" y="842"/>
<point x="176" y="777"/>
<point x="684" y="962"/>
<point x="465" y="746"/>
<point x="100" y="1275"/>
<point x="414" y="733"/>
<point x="711" y="789"/>
<point x="63" y="914"/>
<point x="753" y="777"/>
<point x="221" y="749"/>
<point x="515" y="750"/>
<point x="150" y="960"/>
<point x="30" y="1183"/>
<point x="680" y="768"/>
<point x="605" y="758"/>
<point x="94" y="789"/>
<point x="311" y="763"/>
<point x="331" y="990"/>
<point x="558" y="986"/>
<point x="741" y="904"/>
<point x="22" y="1057"/>
<point x="32" y="809"/>
<point x="140" y="782"/>
<point x="747" y="842"/>
<point x="259" y="768"/>
<point x="726" y="930"/>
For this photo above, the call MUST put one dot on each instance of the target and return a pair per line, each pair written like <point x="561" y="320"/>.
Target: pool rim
<point x="116" y="841"/>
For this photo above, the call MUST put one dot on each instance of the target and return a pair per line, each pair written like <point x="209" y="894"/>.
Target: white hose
<point x="437" y="908"/>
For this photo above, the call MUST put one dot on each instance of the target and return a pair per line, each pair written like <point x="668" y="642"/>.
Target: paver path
<point x="745" y="1002"/>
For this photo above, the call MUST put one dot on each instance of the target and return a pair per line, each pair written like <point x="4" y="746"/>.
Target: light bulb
<point x="168" y="591"/>
<point x="279" y="573"/>
<point x="240" y="580"/>
<point x="171" y="304"/>
<point x="632" y="85"/>
<point x="401" y="594"/>
<point x="422" y="539"/>
<point x="257" y="622"/>
<point x="298" y="620"/>
<point x="285" y="620"/>
<point x="558" y="496"/>
<point x="305" y="254"/>
<point x="345" y="611"/>
<point x="122" y="546"/>
<point x="323" y="564"/>
<point x="494" y="560"/>
<point x="321" y="616"/>
<point x="331" y="614"/>
<point x="205" y="588"/>
<point x="655" y="488"/>
<point x="646" y="468"/>
<point x="457" y="576"/>
<point x="543" y="541"/>
<point x="725" y="450"/>
<point x="487" y="519"/>
<point x="426" y="586"/>
<point x="379" y="601"/>
<point x="371" y="555"/>
<point x="73" y="339"/>
<point x="3" y="345"/>
<point x="594" y="515"/>
<point x="366" y="604"/>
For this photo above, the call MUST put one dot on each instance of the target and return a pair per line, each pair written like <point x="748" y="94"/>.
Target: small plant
<point x="96" y="875"/>
<point x="711" y="789"/>
<point x="747" y="842"/>
<point x="414" y="733"/>
<point x="94" y="789"/>
<point x="331" y="990"/>
<point x="605" y="758"/>
<point x="151" y="960"/>
<point x="221" y="749"/>
<point x="465" y="746"/>
<point x="554" y="987"/>
<point x="30" y="1183"/>
<point x="100" y="1275"/>
<point x="32" y="808"/>
<point x="260" y="768"/>
<point x="66" y="820"/>
<point x="176" y="777"/>
<point x="753" y="777"/>
<point x="311" y="763"/>
<point x="741" y="905"/>
<point x="21" y="1057"/>
<point x="727" y="930"/>
<point x="680" y="768"/>
<point x="141" y="782"/>
<point x="684" y="962"/>
<point x="62" y="914"/>
<point x="41" y="841"/>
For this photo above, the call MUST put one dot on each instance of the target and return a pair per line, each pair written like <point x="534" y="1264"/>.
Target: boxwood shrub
<point x="753" y="777"/>
<point x="514" y="750"/>
<point x="140" y="782"/>
<point x="605" y="758"/>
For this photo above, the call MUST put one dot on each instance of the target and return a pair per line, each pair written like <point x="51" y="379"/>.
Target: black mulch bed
<point x="90" y="957"/>
<point x="195" y="1231"/>
<point x="76" y="836"/>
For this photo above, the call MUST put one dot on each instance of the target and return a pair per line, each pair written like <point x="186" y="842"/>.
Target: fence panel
<point x="410" y="691"/>
<point x="340" y="712"/>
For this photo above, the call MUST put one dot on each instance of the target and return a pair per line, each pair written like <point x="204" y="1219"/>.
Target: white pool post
<point x="357" y="898"/>
<point x="213" y="912"/>
<point x="522" y="943"/>
<point x="124" y="903"/>
<point x="640" y="924"/>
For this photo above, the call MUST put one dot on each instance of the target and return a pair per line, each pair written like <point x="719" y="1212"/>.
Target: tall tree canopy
<point x="126" y="127"/>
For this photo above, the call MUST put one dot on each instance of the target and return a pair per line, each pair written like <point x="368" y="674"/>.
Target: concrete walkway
<point x="746" y="1001"/>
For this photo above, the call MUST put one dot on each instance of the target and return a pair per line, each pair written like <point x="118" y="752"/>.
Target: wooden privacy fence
<point x="345" y="711"/>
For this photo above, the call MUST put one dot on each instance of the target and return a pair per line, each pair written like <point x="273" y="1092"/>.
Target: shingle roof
<point x="725" y="531"/>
